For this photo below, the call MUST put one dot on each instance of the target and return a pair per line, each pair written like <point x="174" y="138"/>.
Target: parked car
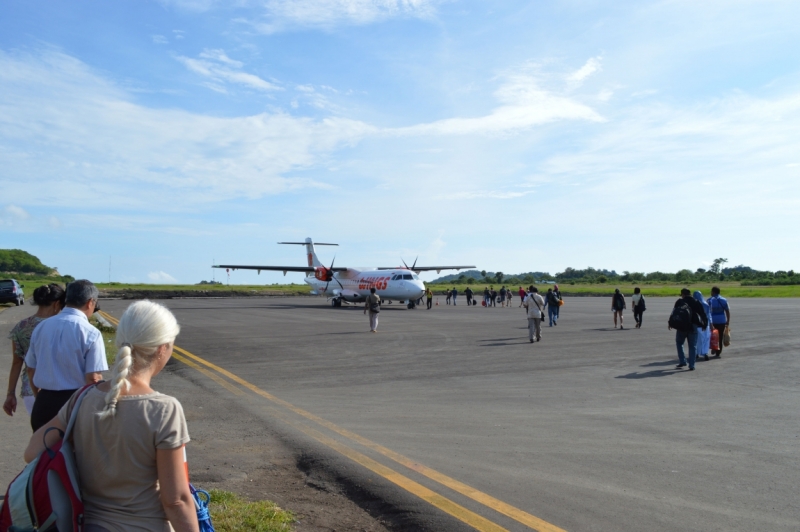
<point x="11" y="292"/>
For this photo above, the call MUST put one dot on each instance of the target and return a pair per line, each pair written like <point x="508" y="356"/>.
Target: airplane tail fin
<point x="311" y="254"/>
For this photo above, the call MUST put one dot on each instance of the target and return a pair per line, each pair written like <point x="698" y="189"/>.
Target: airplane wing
<point x="276" y="268"/>
<point x="426" y="268"/>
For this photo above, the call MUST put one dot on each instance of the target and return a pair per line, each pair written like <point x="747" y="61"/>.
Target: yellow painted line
<point x="213" y="376"/>
<point x="487" y="500"/>
<point x="431" y="497"/>
<point x="483" y="498"/>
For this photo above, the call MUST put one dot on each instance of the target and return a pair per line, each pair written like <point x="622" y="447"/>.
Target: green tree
<point x="716" y="266"/>
<point x="499" y="276"/>
<point x="483" y="273"/>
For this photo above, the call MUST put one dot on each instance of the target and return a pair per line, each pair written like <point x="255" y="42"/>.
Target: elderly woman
<point x="129" y="439"/>
<point x="703" y="336"/>
<point x="50" y="300"/>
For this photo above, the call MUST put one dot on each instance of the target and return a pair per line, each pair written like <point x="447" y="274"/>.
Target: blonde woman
<point x="129" y="438"/>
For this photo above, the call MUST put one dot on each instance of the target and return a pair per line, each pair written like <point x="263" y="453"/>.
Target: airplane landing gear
<point x="411" y="304"/>
<point x="336" y="302"/>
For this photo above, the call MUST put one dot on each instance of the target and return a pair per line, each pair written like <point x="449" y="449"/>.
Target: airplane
<point x="352" y="285"/>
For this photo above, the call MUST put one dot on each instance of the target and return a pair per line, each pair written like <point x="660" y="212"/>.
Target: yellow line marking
<point x="213" y="376"/>
<point x="487" y="500"/>
<point x="483" y="498"/>
<point x="456" y="510"/>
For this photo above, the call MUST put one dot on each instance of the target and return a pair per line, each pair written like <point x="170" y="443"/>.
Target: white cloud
<point x="590" y="67"/>
<point x="159" y="39"/>
<point x="12" y="212"/>
<point x="81" y="137"/>
<point x="221" y="69"/>
<point x="283" y="14"/>
<point x="161" y="277"/>
<point x="490" y="194"/>
<point x="525" y="104"/>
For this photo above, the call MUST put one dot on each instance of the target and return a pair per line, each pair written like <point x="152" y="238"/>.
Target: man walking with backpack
<point x="687" y="315"/>
<point x="468" y="292"/>
<point x="534" y="304"/>
<point x="373" y="305"/>
<point x="551" y="302"/>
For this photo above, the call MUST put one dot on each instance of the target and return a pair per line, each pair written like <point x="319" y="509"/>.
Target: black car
<point x="11" y="292"/>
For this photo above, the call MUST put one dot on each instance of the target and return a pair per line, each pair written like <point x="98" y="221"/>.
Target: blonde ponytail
<point x="119" y="378"/>
<point x="142" y="329"/>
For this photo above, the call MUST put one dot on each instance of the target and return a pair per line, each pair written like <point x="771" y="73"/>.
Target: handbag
<point x="726" y="336"/>
<point x="714" y="344"/>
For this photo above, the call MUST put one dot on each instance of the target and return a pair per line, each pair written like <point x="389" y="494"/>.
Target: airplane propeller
<point x="332" y="277"/>
<point x="412" y="266"/>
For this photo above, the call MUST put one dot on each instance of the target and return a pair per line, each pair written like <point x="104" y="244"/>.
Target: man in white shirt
<point x="534" y="303"/>
<point x="66" y="352"/>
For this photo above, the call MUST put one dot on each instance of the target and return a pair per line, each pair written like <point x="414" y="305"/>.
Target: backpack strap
<point x="73" y="415"/>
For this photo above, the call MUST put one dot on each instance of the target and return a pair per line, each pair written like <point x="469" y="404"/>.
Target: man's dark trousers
<point x="680" y="338"/>
<point x="721" y="328"/>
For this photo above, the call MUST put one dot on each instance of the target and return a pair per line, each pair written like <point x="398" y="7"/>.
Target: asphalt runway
<point x="591" y="429"/>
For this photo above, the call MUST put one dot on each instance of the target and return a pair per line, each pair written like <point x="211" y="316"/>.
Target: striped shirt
<point x="64" y="349"/>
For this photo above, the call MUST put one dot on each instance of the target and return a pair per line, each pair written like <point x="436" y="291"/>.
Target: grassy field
<point x="653" y="290"/>
<point x="729" y="289"/>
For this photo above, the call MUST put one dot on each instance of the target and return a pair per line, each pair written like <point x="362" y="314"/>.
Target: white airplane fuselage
<point x="397" y="285"/>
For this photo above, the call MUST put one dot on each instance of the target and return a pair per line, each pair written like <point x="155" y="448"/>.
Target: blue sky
<point x="517" y="136"/>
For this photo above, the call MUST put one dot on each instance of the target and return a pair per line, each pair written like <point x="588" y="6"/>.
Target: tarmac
<point x="449" y="419"/>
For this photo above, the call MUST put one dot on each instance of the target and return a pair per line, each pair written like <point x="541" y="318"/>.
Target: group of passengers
<point x="702" y="323"/>
<point x="128" y="439"/>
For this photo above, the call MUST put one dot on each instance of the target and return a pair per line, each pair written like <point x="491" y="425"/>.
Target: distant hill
<point x="18" y="261"/>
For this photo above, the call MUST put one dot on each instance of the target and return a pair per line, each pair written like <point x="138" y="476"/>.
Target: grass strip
<point x="734" y="289"/>
<point x="232" y="513"/>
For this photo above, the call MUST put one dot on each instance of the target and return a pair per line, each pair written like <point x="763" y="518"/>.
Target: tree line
<point x="717" y="272"/>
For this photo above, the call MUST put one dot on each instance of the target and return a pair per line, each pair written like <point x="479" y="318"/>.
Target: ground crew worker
<point x="373" y="305"/>
<point x="429" y="295"/>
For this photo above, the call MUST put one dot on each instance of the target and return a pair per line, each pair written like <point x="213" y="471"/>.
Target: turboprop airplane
<point x="353" y="285"/>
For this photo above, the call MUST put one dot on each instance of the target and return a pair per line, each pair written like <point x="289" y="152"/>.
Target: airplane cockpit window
<point x="407" y="276"/>
<point x="415" y="277"/>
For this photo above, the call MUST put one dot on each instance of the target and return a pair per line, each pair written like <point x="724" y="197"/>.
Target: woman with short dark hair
<point x="617" y="306"/>
<point x="50" y="300"/>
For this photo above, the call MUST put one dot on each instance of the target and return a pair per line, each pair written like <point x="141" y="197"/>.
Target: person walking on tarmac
<point x="468" y="292"/>
<point x="522" y="294"/>
<point x="720" y="316"/>
<point x="429" y="296"/>
<point x="617" y="306"/>
<point x="534" y="304"/>
<point x="373" y="305"/>
<point x="455" y="294"/>
<point x="486" y="295"/>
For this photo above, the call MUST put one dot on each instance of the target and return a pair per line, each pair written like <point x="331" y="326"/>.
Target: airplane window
<point x="407" y="276"/>
<point x="394" y="277"/>
<point x="416" y="277"/>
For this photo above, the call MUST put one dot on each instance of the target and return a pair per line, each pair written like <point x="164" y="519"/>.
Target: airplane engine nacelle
<point x="323" y="274"/>
<point x="351" y="295"/>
